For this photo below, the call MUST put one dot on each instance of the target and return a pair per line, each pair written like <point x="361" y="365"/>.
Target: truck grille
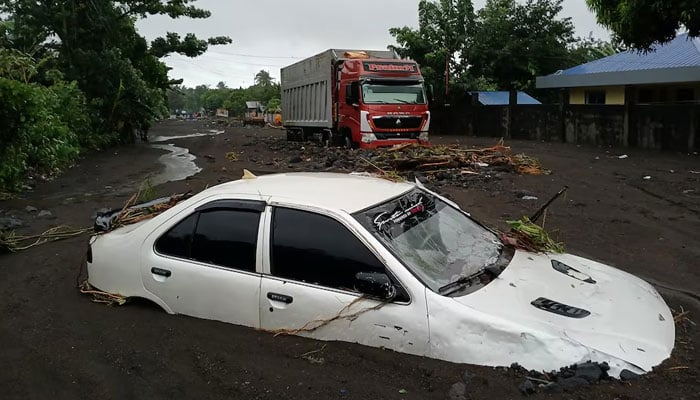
<point x="397" y="122"/>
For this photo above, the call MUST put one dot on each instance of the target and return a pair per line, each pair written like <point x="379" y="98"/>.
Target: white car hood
<point x="628" y="319"/>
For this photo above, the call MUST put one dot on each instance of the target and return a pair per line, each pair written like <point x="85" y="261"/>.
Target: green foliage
<point x="91" y="79"/>
<point x="641" y="23"/>
<point x="502" y="46"/>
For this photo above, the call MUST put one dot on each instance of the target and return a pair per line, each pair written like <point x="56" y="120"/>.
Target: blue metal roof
<point x="501" y="98"/>
<point x="680" y="52"/>
<point x="677" y="61"/>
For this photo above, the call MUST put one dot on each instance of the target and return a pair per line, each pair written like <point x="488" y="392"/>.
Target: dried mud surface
<point x="55" y="343"/>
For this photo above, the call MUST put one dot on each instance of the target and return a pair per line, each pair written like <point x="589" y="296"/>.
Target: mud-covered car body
<point x="384" y="264"/>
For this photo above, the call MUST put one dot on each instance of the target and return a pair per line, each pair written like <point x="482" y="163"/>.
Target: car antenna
<point x="539" y="212"/>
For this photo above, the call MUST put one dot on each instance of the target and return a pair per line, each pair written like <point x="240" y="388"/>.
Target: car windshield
<point x="393" y="93"/>
<point x="436" y="241"/>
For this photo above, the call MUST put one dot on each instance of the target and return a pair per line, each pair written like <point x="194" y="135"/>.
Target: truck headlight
<point x="364" y="122"/>
<point x="368" y="137"/>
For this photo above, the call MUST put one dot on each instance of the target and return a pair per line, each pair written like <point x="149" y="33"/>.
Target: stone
<point x="457" y="391"/>
<point x="30" y="209"/>
<point x="45" y="214"/>
<point x="627" y="375"/>
<point x="589" y="371"/>
<point x="553" y="388"/>
<point x="527" y="387"/>
<point x="569" y="384"/>
<point x="7" y="223"/>
<point x="295" y="160"/>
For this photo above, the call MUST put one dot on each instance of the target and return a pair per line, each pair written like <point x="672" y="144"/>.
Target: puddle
<point x="211" y="132"/>
<point x="179" y="164"/>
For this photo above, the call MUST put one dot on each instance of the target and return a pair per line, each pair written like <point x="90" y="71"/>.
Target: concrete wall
<point x="668" y="127"/>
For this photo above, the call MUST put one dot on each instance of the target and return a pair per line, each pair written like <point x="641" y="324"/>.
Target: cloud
<point x="268" y="34"/>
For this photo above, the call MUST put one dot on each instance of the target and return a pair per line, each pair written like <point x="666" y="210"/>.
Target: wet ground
<point x="640" y="213"/>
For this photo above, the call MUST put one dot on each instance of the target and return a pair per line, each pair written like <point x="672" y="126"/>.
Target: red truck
<point x="359" y="98"/>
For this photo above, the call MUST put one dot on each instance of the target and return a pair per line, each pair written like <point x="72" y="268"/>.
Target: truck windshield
<point x="393" y="93"/>
<point x="437" y="242"/>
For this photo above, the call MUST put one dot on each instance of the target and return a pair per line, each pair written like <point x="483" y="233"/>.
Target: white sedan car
<point x="384" y="264"/>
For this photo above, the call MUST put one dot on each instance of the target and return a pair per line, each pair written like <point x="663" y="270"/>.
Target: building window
<point x="645" y="96"/>
<point x="595" y="96"/>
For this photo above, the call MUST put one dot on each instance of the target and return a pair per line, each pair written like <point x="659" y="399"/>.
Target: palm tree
<point x="263" y="78"/>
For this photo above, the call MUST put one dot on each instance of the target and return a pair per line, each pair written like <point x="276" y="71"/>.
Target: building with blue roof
<point x="501" y="98"/>
<point x="670" y="73"/>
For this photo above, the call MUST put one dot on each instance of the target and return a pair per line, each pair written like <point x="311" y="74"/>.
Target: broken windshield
<point x="437" y="242"/>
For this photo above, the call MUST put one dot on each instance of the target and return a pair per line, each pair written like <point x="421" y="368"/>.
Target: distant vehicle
<point x="358" y="98"/>
<point x="254" y="114"/>
<point x="384" y="264"/>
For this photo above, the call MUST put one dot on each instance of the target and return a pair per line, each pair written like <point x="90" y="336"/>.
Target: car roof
<point x="347" y="192"/>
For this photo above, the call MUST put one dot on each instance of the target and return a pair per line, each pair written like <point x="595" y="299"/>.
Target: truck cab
<point x="360" y="98"/>
<point x="381" y="103"/>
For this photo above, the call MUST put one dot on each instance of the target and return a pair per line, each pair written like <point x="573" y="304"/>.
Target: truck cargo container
<point x="359" y="98"/>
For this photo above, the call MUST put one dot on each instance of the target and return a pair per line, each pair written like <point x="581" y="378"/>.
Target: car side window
<point x="224" y="237"/>
<point x="313" y="248"/>
<point x="177" y="242"/>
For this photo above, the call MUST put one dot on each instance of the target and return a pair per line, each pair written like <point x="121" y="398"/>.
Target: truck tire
<point x="349" y="143"/>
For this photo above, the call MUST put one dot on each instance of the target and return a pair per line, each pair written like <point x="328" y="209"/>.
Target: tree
<point x="263" y="78"/>
<point x="515" y="42"/>
<point x="444" y="31"/>
<point x="641" y="23"/>
<point x="97" y="45"/>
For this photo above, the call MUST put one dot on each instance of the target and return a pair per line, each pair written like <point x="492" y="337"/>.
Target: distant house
<point x="500" y="98"/>
<point x="670" y="73"/>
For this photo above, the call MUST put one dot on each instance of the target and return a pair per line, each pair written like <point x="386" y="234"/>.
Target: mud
<point x="57" y="344"/>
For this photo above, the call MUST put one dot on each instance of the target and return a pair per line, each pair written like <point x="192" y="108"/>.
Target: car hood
<point x="595" y="305"/>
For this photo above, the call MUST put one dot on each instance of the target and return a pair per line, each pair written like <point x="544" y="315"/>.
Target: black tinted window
<point x="227" y="238"/>
<point x="316" y="249"/>
<point x="178" y="240"/>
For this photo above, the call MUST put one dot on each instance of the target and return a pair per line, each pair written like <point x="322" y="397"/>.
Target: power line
<point x="253" y="56"/>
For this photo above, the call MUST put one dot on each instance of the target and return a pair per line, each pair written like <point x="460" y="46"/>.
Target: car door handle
<point x="283" y="298"/>
<point x="162" y="272"/>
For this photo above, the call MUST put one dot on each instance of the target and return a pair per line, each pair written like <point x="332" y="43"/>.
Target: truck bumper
<point x="374" y="143"/>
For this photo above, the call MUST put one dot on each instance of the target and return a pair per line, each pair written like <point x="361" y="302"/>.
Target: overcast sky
<point x="269" y="34"/>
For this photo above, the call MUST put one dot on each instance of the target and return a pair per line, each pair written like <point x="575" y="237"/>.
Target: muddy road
<point x="56" y="343"/>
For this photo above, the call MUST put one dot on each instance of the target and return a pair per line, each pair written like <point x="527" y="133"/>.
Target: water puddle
<point x="179" y="164"/>
<point x="211" y="132"/>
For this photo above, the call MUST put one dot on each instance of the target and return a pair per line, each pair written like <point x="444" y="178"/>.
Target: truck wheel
<point x="349" y="144"/>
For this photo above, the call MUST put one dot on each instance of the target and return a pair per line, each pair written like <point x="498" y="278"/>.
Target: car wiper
<point x="463" y="280"/>
<point x="403" y="101"/>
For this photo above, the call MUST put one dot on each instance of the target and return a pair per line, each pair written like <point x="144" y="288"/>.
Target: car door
<point x="205" y="263"/>
<point x="311" y="261"/>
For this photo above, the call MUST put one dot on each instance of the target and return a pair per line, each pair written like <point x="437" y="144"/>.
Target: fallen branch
<point x="319" y="323"/>
<point x="99" y="296"/>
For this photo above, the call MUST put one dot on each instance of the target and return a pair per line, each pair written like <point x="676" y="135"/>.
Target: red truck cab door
<point x="349" y="111"/>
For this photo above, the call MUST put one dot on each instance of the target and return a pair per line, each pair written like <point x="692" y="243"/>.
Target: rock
<point x="553" y="388"/>
<point x="527" y="387"/>
<point x="295" y="160"/>
<point x="468" y="377"/>
<point x="30" y="209"/>
<point x="569" y="384"/>
<point x="45" y="214"/>
<point x="589" y="371"/>
<point x="523" y="193"/>
<point x="458" y="391"/>
<point x="7" y="223"/>
<point x="627" y="375"/>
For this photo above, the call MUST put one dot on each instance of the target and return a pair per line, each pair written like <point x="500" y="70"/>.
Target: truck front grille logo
<point x="398" y="122"/>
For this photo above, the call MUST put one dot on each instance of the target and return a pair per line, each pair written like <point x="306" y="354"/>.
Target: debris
<point x="527" y="235"/>
<point x="11" y="242"/>
<point x="30" y="209"/>
<point x="646" y="178"/>
<point x="529" y="198"/>
<point x="569" y="384"/>
<point x="309" y="356"/>
<point x="622" y="157"/>
<point x="231" y="156"/>
<point x="403" y="391"/>
<point x="678" y="368"/>
<point x="210" y="158"/>
<point x="132" y="213"/>
<point x="295" y="160"/>
<point x="589" y="371"/>
<point x="99" y="296"/>
<point x="694" y="172"/>
<point x="45" y="214"/>
<point x="458" y="391"/>
<point x="248" y="175"/>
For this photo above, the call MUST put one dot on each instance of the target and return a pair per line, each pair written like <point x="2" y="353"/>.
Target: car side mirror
<point x="375" y="284"/>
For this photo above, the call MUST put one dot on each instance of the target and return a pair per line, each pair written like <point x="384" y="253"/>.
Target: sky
<point x="270" y="34"/>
